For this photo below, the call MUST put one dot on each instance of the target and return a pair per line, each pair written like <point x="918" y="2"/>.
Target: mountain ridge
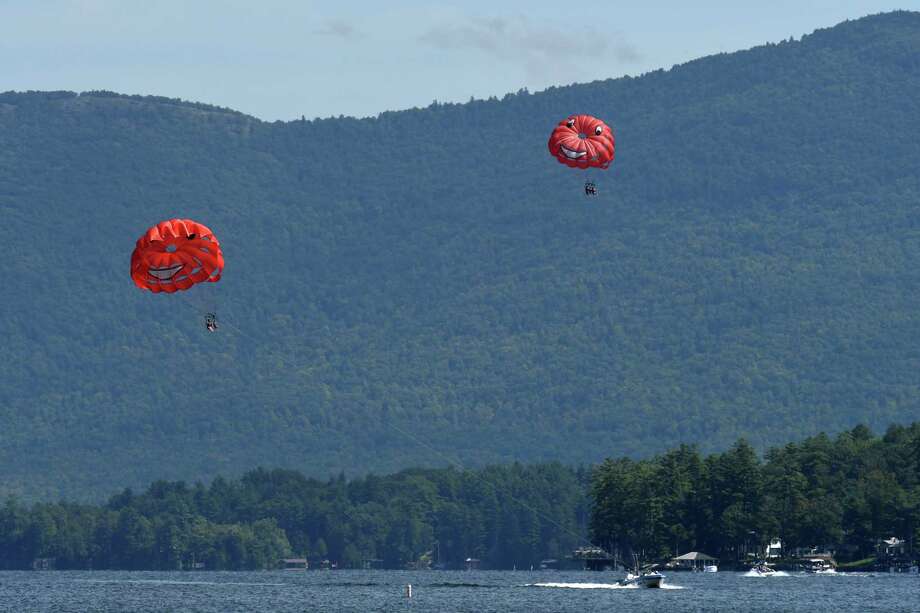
<point x="745" y="271"/>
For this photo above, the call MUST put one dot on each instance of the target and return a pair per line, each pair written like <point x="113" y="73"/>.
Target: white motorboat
<point x="761" y="570"/>
<point x="818" y="566"/>
<point x="650" y="579"/>
<point x="710" y="568"/>
<point x="647" y="577"/>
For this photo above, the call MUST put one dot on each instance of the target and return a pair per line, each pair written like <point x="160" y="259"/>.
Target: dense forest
<point x="748" y="270"/>
<point x="843" y="494"/>
<point x="414" y="519"/>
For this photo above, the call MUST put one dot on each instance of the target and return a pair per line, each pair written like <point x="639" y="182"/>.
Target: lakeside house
<point x="891" y="547"/>
<point x="595" y="558"/>
<point x="774" y="549"/>
<point x="43" y="563"/>
<point x="818" y="551"/>
<point x="694" y="560"/>
<point x="894" y="555"/>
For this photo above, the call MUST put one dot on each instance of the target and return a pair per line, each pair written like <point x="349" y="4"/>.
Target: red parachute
<point x="175" y="255"/>
<point x="582" y="141"/>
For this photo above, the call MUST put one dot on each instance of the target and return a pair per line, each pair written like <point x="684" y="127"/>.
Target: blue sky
<point x="280" y="59"/>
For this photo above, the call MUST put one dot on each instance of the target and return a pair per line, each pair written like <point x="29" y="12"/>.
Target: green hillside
<point x="749" y="269"/>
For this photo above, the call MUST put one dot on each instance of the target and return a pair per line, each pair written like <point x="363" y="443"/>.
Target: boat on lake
<point x="818" y="566"/>
<point x="646" y="577"/>
<point x="761" y="569"/>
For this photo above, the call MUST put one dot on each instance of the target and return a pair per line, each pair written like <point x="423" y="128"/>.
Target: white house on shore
<point x="774" y="549"/>
<point x="694" y="560"/>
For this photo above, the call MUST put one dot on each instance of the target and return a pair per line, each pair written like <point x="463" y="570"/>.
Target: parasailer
<point x="176" y="255"/>
<point x="583" y="141"/>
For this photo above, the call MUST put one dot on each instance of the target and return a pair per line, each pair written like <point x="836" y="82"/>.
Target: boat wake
<point x="172" y="582"/>
<point x="586" y="586"/>
<point x="601" y="586"/>
<point x="778" y="573"/>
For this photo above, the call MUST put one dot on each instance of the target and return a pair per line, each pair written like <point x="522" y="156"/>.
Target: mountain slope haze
<point x="749" y="269"/>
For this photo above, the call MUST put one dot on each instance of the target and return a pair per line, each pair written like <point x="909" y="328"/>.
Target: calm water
<point x="449" y="591"/>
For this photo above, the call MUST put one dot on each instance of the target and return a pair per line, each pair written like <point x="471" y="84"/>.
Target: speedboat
<point x="647" y="577"/>
<point x="710" y="568"/>
<point x="761" y="570"/>
<point x="651" y="579"/>
<point x="817" y="566"/>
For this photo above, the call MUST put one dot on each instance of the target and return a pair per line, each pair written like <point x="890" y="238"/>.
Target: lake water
<point x="345" y="590"/>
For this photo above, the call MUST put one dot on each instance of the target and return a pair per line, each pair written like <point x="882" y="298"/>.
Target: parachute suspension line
<point x="583" y="142"/>
<point x="206" y="309"/>
<point x="590" y="186"/>
<point x="290" y="363"/>
<point x="197" y="308"/>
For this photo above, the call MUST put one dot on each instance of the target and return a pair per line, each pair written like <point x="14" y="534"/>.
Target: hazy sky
<point x="280" y="59"/>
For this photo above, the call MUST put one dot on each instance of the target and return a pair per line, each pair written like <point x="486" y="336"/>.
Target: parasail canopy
<point x="582" y="141"/>
<point x="175" y="255"/>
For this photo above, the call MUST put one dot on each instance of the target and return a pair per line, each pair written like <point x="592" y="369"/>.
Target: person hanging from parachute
<point x="176" y="255"/>
<point x="585" y="142"/>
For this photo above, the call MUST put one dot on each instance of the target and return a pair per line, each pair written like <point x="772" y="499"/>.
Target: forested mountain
<point x="431" y="283"/>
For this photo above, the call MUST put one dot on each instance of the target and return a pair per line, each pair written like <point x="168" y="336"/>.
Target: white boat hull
<point x="649" y="580"/>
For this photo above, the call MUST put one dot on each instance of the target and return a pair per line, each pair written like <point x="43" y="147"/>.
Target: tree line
<point x="502" y="516"/>
<point x="843" y="494"/>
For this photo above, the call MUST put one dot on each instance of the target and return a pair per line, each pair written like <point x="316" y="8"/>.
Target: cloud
<point x="339" y="28"/>
<point x="541" y="50"/>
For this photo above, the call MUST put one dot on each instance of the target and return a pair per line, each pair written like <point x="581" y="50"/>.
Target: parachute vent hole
<point x="192" y="236"/>
<point x="171" y="248"/>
